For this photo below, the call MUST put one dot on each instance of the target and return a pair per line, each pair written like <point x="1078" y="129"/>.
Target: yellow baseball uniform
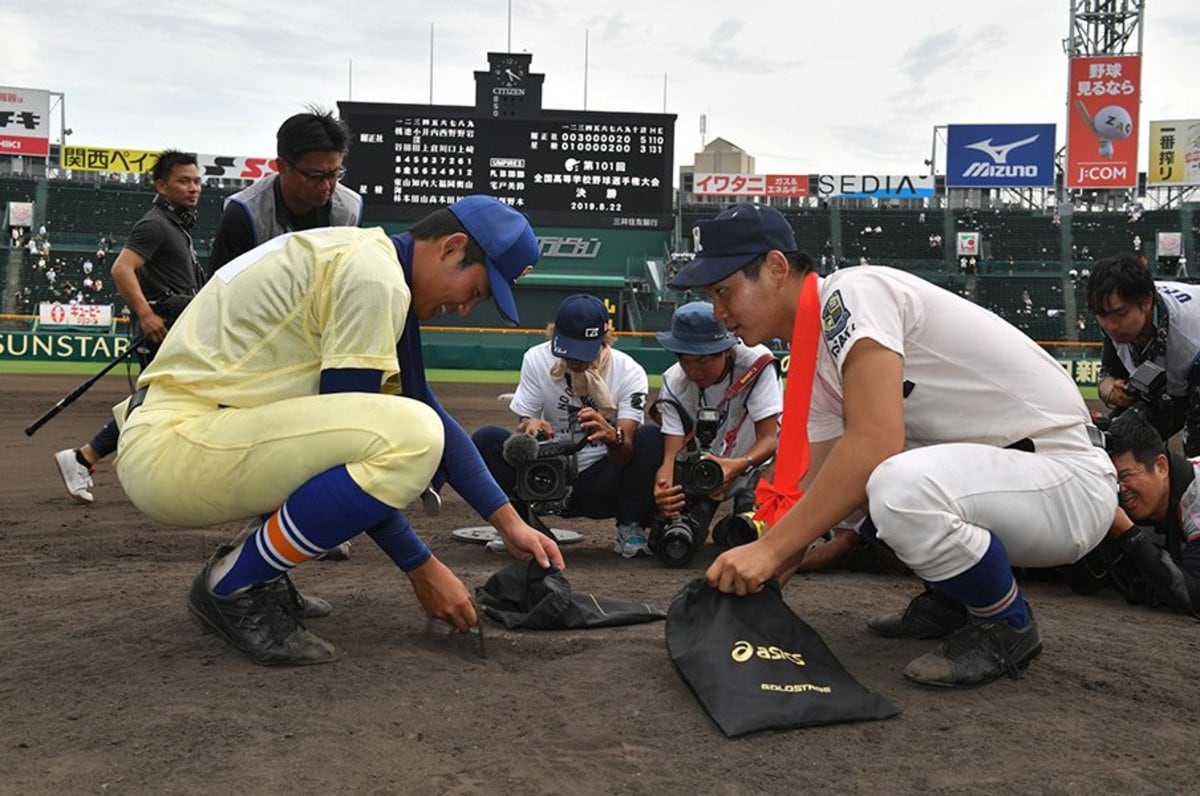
<point x="233" y="421"/>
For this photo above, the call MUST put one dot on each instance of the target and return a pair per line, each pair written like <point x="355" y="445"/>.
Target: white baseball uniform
<point x="542" y="397"/>
<point x="973" y="384"/>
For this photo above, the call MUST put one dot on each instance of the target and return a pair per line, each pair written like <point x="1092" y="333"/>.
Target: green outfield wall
<point x="444" y="349"/>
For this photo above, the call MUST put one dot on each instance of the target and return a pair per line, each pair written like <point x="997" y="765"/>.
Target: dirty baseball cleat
<point x="931" y="614"/>
<point x="310" y="606"/>
<point x="76" y="477"/>
<point x="262" y="621"/>
<point x="979" y="653"/>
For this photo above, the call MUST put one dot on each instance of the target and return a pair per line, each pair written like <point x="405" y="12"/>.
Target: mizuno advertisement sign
<point x="999" y="155"/>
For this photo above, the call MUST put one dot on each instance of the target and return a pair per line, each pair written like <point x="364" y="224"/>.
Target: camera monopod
<point x="74" y="394"/>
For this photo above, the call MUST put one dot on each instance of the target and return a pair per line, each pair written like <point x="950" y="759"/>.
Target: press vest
<point x="268" y="222"/>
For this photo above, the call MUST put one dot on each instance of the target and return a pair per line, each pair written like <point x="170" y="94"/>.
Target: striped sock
<point x="988" y="589"/>
<point x="325" y="511"/>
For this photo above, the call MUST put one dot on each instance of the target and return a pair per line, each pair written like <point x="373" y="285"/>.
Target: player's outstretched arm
<point x="524" y="542"/>
<point x="443" y="595"/>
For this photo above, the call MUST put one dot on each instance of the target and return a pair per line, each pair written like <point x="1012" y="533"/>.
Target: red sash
<point x="791" y="458"/>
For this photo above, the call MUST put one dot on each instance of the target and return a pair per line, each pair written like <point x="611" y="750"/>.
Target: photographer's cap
<point x="508" y="244"/>
<point x="731" y="240"/>
<point x="579" y="328"/>
<point x="696" y="330"/>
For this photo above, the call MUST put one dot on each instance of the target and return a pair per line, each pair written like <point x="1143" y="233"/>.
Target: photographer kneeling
<point x="1152" y="553"/>
<point x="584" y="401"/>
<point x="716" y="387"/>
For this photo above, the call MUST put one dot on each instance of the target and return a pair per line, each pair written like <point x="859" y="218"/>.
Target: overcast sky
<point x="854" y="86"/>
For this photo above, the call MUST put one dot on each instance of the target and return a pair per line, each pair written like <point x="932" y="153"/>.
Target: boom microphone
<point x="520" y="449"/>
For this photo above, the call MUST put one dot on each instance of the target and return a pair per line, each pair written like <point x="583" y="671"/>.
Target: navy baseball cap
<point x="696" y="330"/>
<point x="579" y="328"/>
<point x="731" y="240"/>
<point x="508" y="244"/>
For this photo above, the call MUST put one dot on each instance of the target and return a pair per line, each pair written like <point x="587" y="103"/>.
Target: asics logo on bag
<point x="743" y="651"/>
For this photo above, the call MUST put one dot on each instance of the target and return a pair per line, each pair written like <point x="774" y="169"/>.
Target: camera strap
<point x="735" y="388"/>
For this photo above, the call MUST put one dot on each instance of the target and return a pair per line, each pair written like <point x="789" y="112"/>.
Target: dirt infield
<point x="109" y="685"/>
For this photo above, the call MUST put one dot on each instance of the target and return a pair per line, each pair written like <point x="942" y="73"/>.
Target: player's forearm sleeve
<point x="396" y="537"/>
<point x="464" y="467"/>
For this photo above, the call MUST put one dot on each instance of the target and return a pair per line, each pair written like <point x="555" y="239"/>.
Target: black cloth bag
<point x="523" y="596"/>
<point x="755" y="665"/>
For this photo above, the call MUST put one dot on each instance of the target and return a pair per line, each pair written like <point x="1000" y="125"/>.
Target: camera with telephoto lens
<point x="1147" y="385"/>
<point x="675" y="540"/>
<point x="546" y="466"/>
<point x="698" y="475"/>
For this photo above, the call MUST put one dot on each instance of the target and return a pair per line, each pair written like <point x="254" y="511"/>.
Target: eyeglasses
<point x="320" y="176"/>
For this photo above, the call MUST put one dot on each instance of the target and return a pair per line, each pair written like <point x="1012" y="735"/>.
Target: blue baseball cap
<point x="579" y="328"/>
<point x="508" y="244"/>
<point x="696" y="330"/>
<point x="731" y="240"/>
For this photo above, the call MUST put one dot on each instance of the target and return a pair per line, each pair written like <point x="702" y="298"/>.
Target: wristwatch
<point x="619" y="441"/>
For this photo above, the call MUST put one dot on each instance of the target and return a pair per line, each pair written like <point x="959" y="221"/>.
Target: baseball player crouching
<point x="276" y="396"/>
<point x="969" y="443"/>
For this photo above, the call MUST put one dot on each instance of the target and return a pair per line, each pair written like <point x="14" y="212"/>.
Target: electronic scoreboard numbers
<point x="562" y="168"/>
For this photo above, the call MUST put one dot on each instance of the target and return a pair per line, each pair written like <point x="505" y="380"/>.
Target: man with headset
<point x="305" y="194"/>
<point x="156" y="274"/>
<point x="1148" y="321"/>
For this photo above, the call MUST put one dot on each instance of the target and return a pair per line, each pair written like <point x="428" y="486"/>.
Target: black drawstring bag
<point x="523" y="596"/>
<point x="755" y="665"/>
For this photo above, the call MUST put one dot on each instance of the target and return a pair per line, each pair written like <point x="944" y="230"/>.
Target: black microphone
<point x="520" y="449"/>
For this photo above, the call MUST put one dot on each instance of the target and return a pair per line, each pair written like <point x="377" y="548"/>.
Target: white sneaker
<point x="76" y="477"/>
<point x="631" y="540"/>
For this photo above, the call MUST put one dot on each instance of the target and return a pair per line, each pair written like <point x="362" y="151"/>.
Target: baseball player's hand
<point x="743" y="570"/>
<point x="1118" y="394"/>
<point x="524" y="543"/>
<point x="153" y="326"/>
<point x="597" y="426"/>
<point x="443" y="595"/>
<point x="668" y="497"/>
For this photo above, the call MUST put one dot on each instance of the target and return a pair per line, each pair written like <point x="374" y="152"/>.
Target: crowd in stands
<point x="1018" y="272"/>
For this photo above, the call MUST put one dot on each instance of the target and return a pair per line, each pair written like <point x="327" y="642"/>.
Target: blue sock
<point x="396" y="537"/>
<point x="325" y="511"/>
<point x="988" y="589"/>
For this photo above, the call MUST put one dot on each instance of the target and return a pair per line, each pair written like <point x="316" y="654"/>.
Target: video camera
<point x="546" y="466"/>
<point x="675" y="540"/>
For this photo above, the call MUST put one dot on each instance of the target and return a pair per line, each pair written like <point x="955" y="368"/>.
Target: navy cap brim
<point x="578" y="350"/>
<point x="703" y="271"/>
<point x="502" y="295"/>
<point x="676" y="346"/>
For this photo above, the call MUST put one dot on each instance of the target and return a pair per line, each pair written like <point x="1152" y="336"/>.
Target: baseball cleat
<point x="309" y="606"/>
<point x="977" y="654"/>
<point x="76" y="477"/>
<point x="261" y="621"/>
<point x="931" y="614"/>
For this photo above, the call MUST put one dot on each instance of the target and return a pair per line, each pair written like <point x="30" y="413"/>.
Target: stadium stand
<point x="1021" y="272"/>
